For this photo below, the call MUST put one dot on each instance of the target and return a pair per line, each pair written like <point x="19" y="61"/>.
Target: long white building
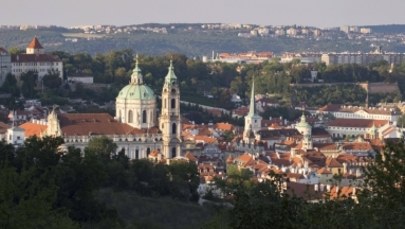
<point x="36" y="60"/>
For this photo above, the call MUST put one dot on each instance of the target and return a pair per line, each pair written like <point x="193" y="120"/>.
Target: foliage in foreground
<point x="41" y="188"/>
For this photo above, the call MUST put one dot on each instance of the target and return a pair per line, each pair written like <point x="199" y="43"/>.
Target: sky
<point x="320" y="13"/>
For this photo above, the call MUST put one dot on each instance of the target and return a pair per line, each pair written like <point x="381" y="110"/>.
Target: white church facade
<point x="136" y="127"/>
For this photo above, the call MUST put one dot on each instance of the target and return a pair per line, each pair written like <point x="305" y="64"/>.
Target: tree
<point x="10" y="85"/>
<point x="102" y="146"/>
<point x="385" y="182"/>
<point x="52" y="80"/>
<point x="29" y="80"/>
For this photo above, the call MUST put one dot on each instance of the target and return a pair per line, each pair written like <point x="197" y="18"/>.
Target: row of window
<point x="36" y="64"/>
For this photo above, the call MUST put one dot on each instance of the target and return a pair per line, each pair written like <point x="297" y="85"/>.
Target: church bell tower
<point x="170" y="124"/>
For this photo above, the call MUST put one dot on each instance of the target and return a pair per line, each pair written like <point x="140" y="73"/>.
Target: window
<point x="173" y="103"/>
<point x="147" y="152"/>
<point x="130" y="117"/>
<point x="136" y="154"/>
<point x="164" y="103"/>
<point x="174" y="127"/>
<point x="174" y="152"/>
<point x="144" y="116"/>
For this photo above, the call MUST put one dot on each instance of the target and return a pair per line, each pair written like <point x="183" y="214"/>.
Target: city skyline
<point x="125" y="12"/>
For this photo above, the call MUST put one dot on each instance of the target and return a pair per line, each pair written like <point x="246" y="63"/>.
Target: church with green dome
<point x="136" y="102"/>
<point x="137" y="129"/>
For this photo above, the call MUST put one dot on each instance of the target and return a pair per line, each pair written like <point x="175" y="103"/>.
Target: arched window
<point x="174" y="152"/>
<point x="147" y="152"/>
<point x="173" y="103"/>
<point x="120" y="115"/>
<point x="174" y="128"/>
<point x="144" y="116"/>
<point x="164" y="103"/>
<point x="130" y="116"/>
<point x="136" y="154"/>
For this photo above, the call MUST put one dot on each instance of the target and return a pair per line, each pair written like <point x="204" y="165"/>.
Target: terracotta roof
<point x="34" y="44"/>
<point x="34" y="58"/>
<point x="324" y="171"/>
<point x="96" y="124"/>
<point x="305" y="191"/>
<point x="341" y="192"/>
<point x="245" y="159"/>
<point x="229" y="160"/>
<point x="33" y="129"/>
<point x="241" y="111"/>
<point x="360" y="123"/>
<point x="215" y="112"/>
<point x="333" y="163"/>
<point x="224" y="126"/>
<point x="190" y="156"/>
<point x="326" y="146"/>
<point x="3" y="127"/>
<point x="205" y="139"/>
<point x="363" y="146"/>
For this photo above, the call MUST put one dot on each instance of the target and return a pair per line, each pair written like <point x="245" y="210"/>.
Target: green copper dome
<point x="136" y="92"/>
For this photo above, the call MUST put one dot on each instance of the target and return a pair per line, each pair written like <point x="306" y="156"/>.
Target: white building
<point x="36" y="60"/>
<point x="371" y="129"/>
<point x="135" y="129"/>
<point x="5" y="65"/>
<point x="355" y="112"/>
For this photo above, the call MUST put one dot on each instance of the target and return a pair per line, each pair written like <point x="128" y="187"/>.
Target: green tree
<point x="102" y="146"/>
<point x="29" y="83"/>
<point x="52" y="80"/>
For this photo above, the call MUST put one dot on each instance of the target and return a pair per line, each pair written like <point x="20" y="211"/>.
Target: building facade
<point x="135" y="128"/>
<point x="5" y="65"/>
<point x="36" y="60"/>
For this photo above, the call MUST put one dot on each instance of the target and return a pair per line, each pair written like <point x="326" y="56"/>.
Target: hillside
<point x="189" y="39"/>
<point x="157" y="212"/>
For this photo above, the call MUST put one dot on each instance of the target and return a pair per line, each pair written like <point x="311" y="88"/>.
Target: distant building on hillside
<point x="361" y="58"/>
<point x="36" y="60"/>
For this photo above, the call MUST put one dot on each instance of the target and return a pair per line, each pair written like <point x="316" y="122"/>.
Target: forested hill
<point x="196" y="39"/>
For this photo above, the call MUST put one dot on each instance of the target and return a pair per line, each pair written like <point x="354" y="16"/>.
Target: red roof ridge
<point x="34" y="44"/>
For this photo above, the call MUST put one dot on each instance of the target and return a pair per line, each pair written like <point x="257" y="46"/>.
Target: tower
<point x="53" y="125"/>
<point x="253" y="122"/>
<point x="170" y="117"/>
<point x="34" y="47"/>
<point x="136" y="102"/>
<point x="306" y="130"/>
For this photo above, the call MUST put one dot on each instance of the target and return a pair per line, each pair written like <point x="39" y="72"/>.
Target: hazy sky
<point x="322" y="13"/>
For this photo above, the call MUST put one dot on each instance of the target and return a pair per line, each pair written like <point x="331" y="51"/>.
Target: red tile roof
<point x="34" y="44"/>
<point x="360" y="123"/>
<point x="96" y="124"/>
<point x="224" y="126"/>
<point x="33" y="129"/>
<point x="333" y="163"/>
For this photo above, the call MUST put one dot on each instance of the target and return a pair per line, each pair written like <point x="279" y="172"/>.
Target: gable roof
<point x="33" y="129"/>
<point x="360" y="123"/>
<point x="34" y="44"/>
<point x="97" y="124"/>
